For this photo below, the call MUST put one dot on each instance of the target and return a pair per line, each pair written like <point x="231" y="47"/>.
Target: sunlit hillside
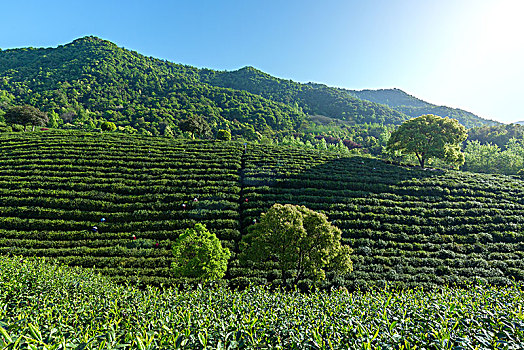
<point x="408" y="227"/>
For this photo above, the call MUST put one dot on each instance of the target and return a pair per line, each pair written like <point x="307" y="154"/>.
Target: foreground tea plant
<point x="49" y="306"/>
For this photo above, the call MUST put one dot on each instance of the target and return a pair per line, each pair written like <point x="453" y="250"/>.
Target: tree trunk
<point x="420" y="159"/>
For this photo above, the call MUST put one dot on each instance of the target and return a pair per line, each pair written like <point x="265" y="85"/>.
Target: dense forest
<point x="91" y="81"/>
<point x="495" y="149"/>
<point x="414" y="107"/>
<point x="313" y="99"/>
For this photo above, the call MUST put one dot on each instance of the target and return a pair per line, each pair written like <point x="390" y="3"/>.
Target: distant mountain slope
<point x="314" y="99"/>
<point x="414" y="107"/>
<point x="499" y="135"/>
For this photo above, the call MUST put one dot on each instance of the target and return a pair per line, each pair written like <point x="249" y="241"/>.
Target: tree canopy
<point x="430" y="136"/>
<point x="26" y="115"/>
<point x="108" y="126"/>
<point x="195" y="125"/>
<point x="198" y="253"/>
<point x="224" y="135"/>
<point x="303" y="242"/>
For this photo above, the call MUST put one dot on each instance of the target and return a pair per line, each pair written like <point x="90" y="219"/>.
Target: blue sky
<point x="461" y="53"/>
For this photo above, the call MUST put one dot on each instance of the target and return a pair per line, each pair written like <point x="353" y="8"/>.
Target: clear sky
<point x="461" y="53"/>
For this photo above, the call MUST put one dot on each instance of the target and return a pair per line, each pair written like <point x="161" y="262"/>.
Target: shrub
<point x="224" y="135"/>
<point x="198" y="254"/>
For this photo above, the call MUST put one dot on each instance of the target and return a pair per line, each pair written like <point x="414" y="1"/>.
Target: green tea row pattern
<point x="139" y="193"/>
<point x="408" y="227"/>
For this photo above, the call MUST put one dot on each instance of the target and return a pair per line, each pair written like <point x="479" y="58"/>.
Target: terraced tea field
<point x="56" y="187"/>
<point x="408" y="227"/>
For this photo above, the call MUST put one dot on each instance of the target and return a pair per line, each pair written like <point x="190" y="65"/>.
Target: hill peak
<point x="91" y="40"/>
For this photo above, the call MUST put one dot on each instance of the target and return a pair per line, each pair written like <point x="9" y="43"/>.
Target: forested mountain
<point x="497" y="134"/>
<point x="414" y="107"/>
<point x="313" y="99"/>
<point x="91" y="80"/>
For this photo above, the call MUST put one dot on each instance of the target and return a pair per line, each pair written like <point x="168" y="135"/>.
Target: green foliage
<point x="5" y="128"/>
<point x="61" y="183"/>
<point x="224" y="135"/>
<point x="301" y="240"/>
<point x="195" y="125"/>
<point x="25" y="115"/>
<point x="92" y="80"/>
<point x="430" y="136"/>
<point x="499" y="135"/>
<point x="197" y="253"/>
<point x="408" y="226"/>
<point x="54" y="120"/>
<point x="17" y="128"/>
<point x="489" y="158"/>
<point x="108" y="126"/>
<point x="495" y="149"/>
<point x="248" y="133"/>
<point x="414" y="107"/>
<point x="313" y="99"/>
<point x="49" y="306"/>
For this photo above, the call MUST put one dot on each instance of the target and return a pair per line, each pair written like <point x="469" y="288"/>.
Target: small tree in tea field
<point x="195" y="125"/>
<point x="198" y="254"/>
<point x="224" y="135"/>
<point x="303" y="242"/>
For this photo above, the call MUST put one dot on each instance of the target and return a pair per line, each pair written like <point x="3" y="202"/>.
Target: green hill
<point x="497" y="134"/>
<point x="313" y="99"/>
<point x="409" y="227"/>
<point x="414" y="107"/>
<point x="91" y="80"/>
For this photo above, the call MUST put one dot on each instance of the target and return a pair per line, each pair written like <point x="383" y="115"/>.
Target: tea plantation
<point x="117" y="203"/>
<point x="47" y="306"/>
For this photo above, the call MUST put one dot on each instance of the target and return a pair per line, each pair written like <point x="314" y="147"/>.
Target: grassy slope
<point x="407" y="226"/>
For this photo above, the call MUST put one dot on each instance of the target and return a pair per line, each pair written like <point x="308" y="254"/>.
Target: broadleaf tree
<point x="302" y="242"/>
<point x="430" y="136"/>
<point x="108" y="126"/>
<point x="195" y="125"/>
<point x="26" y="115"/>
<point x="198" y="253"/>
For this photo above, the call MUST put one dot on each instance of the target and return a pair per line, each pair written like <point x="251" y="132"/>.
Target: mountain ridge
<point x="91" y="80"/>
<point x="403" y="102"/>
